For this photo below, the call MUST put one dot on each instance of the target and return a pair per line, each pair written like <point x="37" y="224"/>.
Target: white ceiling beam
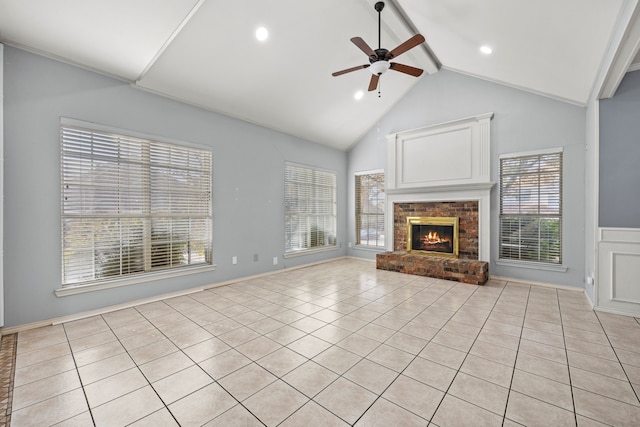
<point x="170" y="39"/>
<point x="624" y="46"/>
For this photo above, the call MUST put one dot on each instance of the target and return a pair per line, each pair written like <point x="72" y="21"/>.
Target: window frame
<point x="153" y="182"/>
<point x="521" y="261"/>
<point x="359" y="211"/>
<point x="312" y="196"/>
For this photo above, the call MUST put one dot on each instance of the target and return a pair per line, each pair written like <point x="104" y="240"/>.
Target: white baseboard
<point x="545" y="285"/>
<point x="360" y="259"/>
<point x="616" y="311"/>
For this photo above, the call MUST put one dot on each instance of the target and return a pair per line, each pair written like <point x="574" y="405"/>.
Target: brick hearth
<point x="462" y="270"/>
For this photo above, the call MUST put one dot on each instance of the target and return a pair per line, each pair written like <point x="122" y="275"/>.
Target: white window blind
<point x="131" y="205"/>
<point x="531" y="208"/>
<point x="370" y="209"/>
<point x="310" y="208"/>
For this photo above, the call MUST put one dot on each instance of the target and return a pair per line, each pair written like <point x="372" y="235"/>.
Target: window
<point x="531" y="207"/>
<point x="131" y="205"/>
<point x="370" y="209"/>
<point x="310" y="208"/>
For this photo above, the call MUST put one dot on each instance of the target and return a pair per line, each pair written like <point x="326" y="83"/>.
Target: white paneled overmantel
<point x="441" y="163"/>
<point x="447" y="154"/>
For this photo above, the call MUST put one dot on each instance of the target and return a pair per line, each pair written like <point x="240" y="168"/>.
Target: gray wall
<point x="522" y="122"/>
<point x="620" y="156"/>
<point x="248" y="182"/>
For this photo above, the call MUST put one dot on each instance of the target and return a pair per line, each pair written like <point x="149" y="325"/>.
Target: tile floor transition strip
<point x="7" y="374"/>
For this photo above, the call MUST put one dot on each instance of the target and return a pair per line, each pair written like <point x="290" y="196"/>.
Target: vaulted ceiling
<point x="204" y="52"/>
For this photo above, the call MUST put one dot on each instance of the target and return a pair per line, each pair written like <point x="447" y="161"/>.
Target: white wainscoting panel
<point x="619" y="271"/>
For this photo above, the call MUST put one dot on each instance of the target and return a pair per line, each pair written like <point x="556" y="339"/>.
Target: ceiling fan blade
<point x="363" y="46"/>
<point x="409" y="44"/>
<point x="407" y="69"/>
<point x="348" y="70"/>
<point x="373" y="84"/>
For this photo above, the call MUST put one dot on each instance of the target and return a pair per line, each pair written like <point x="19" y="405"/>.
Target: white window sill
<point x="533" y="265"/>
<point x="310" y="251"/>
<point x="125" y="281"/>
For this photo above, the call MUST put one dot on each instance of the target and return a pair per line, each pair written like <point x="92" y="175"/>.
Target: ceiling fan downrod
<point x="379" y="6"/>
<point x="379" y="52"/>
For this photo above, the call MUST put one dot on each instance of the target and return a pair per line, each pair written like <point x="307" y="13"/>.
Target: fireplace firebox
<point x="436" y="236"/>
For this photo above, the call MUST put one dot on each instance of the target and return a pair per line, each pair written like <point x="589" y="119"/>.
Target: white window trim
<point x="74" y="289"/>
<point x="553" y="150"/>
<point x="327" y="248"/>
<point x="303" y="252"/>
<point x="372" y="248"/>
<point x="132" y="280"/>
<point x="535" y="265"/>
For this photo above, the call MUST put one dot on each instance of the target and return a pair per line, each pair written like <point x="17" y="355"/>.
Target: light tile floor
<point x="337" y="344"/>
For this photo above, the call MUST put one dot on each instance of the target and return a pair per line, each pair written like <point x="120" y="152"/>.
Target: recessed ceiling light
<point x="262" y="34"/>
<point x="358" y="95"/>
<point x="486" y="50"/>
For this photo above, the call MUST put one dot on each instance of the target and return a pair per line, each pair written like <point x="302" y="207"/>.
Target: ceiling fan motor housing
<point x="381" y="55"/>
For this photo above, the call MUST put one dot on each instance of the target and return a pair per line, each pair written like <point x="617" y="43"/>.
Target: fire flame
<point x="433" y="237"/>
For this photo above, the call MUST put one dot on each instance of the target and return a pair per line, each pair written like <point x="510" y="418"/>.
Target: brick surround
<point x="467" y="268"/>
<point x="467" y="211"/>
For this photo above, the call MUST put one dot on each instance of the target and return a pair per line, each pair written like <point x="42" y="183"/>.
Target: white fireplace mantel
<point x="441" y="163"/>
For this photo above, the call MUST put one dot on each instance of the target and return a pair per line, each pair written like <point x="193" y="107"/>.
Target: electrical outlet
<point x="234" y="260"/>
<point x="349" y="244"/>
<point x="275" y="260"/>
<point x="255" y="257"/>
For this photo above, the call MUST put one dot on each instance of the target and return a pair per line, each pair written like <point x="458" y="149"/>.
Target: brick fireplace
<point x="465" y="211"/>
<point x="415" y="188"/>
<point x="465" y="268"/>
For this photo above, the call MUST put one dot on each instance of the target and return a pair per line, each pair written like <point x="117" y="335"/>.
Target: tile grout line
<point x="467" y="352"/>
<point x="361" y="357"/>
<point x="566" y="354"/>
<point x="567" y="364"/>
<point x="513" y="372"/>
<point x="414" y="358"/>
<point x="379" y="395"/>
<point x="75" y="364"/>
<point x="195" y="363"/>
<point x="429" y="341"/>
<point x="618" y="359"/>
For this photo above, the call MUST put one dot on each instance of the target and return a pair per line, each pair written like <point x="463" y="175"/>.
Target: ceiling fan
<point x="379" y="59"/>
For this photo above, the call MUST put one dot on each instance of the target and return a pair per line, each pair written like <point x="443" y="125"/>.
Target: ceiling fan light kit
<point x="379" y="59"/>
<point x="379" y="67"/>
